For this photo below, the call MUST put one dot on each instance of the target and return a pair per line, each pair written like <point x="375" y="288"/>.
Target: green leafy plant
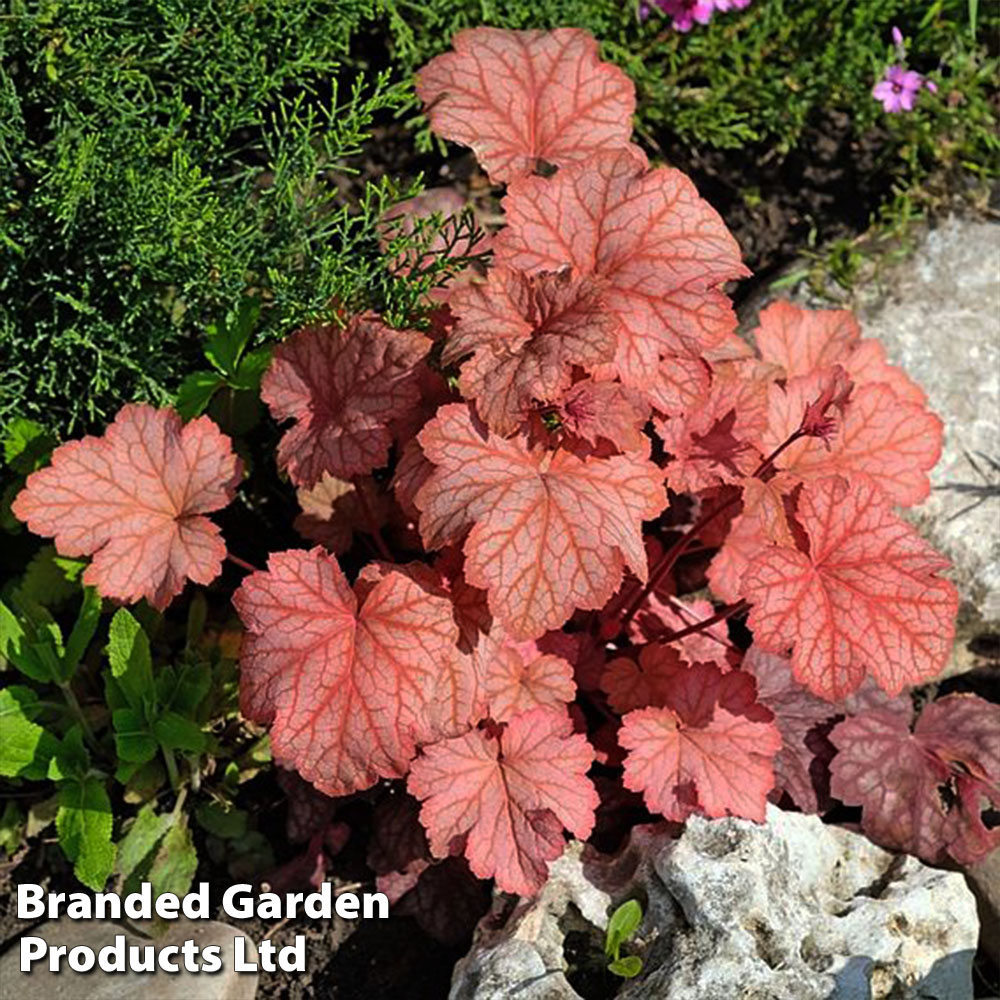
<point x="156" y="161"/>
<point x="622" y="926"/>
<point x="145" y="740"/>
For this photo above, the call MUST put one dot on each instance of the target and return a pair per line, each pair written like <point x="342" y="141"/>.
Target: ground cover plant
<point x="143" y="199"/>
<point x="580" y="555"/>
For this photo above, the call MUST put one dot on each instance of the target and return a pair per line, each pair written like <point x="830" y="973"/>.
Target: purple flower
<point x="898" y="89"/>
<point x="724" y="5"/>
<point x="897" y="37"/>
<point x="686" y="12"/>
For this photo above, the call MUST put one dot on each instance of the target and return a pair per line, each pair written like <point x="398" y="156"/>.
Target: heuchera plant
<point x="579" y="444"/>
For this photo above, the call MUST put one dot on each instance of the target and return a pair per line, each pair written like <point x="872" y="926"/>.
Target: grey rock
<point x="798" y="910"/>
<point x="787" y="910"/>
<point x="528" y="949"/>
<point x="41" y="984"/>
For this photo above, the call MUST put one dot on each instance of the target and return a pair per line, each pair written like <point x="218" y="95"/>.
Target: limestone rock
<point x="798" y="910"/>
<point x="528" y="949"/>
<point x="41" y="984"/>
<point x="788" y="910"/>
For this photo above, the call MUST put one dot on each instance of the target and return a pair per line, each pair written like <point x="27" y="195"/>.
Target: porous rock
<point x="526" y="948"/>
<point x="788" y="910"/>
<point x="41" y="984"/>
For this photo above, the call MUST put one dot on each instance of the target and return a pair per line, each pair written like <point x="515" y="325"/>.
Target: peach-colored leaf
<point x="895" y="442"/>
<point x="765" y="501"/>
<point x="134" y="499"/>
<point x="510" y="794"/>
<point x="349" y="681"/>
<point x="517" y="676"/>
<point x="693" y="755"/>
<point x="550" y="531"/>
<point x="745" y="541"/>
<point x="680" y="385"/>
<point x="865" y="599"/>
<point x="660" y="252"/>
<point x="595" y="411"/>
<point x="802" y="341"/>
<point x="716" y="441"/>
<point x="663" y="614"/>
<point x="524" y="335"/>
<point x="521" y="97"/>
<point x="342" y="387"/>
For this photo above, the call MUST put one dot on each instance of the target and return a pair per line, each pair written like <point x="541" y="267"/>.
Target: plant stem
<point x="242" y="563"/>
<point x="168" y="757"/>
<point x="669" y="558"/>
<point x="683" y="612"/>
<point x="727" y="612"/>
<point x="77" y="709"/>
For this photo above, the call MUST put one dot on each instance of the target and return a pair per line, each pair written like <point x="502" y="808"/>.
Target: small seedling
<point x="622" y="926"/>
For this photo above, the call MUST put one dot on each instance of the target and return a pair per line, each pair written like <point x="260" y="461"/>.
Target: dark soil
<point x="830" y="186"/>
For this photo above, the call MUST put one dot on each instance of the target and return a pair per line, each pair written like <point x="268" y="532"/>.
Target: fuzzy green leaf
<point x="177" y="733"/>
<point x="176" y="860"/>
<point x="136" y="849"/>
<point x="133" y="739"/>
<point x="25" y="747"/>
<point x="83" y="631"/>
<point x="131" y="663"/>
<point x="220" y="822"/>
<point x="12" y="826"/>
<point x="50" y="579"/>
<point x="26" y="445"/>
<point x="71" y="759"/>
<point x="84" y="824"/>
<point x="34" y="647"/>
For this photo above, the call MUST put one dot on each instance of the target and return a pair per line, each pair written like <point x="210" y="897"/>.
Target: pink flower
<point x="724" y="5"/>
<point x="898" y="89"/>
<point x="686" y="12"/>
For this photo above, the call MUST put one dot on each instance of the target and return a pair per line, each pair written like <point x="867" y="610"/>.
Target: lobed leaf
<point x="509" y="794"/>
<point x="866" y="598"/>
<point x="342" y="387"/>
<point x="135" y="500"/>
<point x="521" y="98"/>
<point x="550" y="532"/>
<point x="658" y="251"/>
<point x="349" y="681"/>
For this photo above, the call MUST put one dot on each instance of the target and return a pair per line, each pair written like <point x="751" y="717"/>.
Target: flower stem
<point x="242" y="563"/>
<point x="669" y="558"/>
<point x="727" y="612"/>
